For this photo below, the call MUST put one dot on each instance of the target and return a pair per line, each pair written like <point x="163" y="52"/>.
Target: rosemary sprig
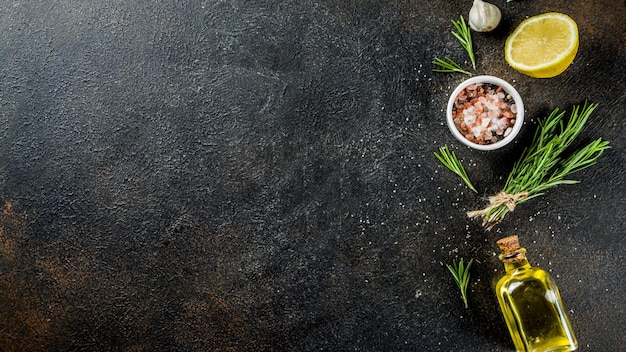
<point x="449" y="160"/>
<point x="448" y="65"/>
<point x="542" y="165"/>
<point x="464" y="35"/>
<point x="461" y="275"/>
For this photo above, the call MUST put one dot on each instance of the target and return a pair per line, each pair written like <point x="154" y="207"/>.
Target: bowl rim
<point x="519" y="118"/>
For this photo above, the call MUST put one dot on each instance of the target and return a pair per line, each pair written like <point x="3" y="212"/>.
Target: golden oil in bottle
<point x="531" y="304"/>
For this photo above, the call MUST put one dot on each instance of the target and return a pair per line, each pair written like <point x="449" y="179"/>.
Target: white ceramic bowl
<point x="519" y="118"/>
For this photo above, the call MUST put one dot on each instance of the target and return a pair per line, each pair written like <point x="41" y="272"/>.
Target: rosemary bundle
<point x="544" y="164"/>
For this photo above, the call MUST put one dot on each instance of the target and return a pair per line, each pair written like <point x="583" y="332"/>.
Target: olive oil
<point x="531" y="304"/>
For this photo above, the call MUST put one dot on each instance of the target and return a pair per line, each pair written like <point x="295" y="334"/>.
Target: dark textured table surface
<point x="259" y="176"/>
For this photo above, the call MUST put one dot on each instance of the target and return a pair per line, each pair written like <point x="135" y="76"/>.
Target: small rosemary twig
<point x="449" y="160"/>
<point x="464" y="35"/>
<point x="461" y="275"/>
<point x="448" y="65"/>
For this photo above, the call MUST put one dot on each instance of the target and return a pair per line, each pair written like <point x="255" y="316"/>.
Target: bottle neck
<point x="516" y="265"/>
<point x="515" y="261"/>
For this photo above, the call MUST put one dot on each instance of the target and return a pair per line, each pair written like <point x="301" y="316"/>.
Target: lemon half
<point x="542" y="46"/>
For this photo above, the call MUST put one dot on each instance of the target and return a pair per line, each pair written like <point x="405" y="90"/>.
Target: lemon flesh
<point x="542" y="46"/>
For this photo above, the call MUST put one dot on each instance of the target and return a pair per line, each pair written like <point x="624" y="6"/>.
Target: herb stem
<point x="450" y="160"/>
<point x="461" y="275"/>
<point x="448" y="65"/>
<point x="464" y="35"/>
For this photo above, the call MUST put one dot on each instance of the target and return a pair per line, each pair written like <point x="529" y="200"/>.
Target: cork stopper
<point x="511" y="250"/>
<point x="508" y="245"/>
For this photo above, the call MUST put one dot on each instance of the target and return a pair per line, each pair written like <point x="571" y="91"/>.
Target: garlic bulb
<point x="484" y="17"/>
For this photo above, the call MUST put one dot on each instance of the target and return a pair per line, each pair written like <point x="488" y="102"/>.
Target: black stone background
<point x="259" y="176"/>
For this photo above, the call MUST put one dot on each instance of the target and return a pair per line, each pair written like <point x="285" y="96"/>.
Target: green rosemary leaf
<point x="450" y="160"/>
<point x="579" y="160"/>
<point x="464" y="36"/>
<point x="448" y="65"/>
<point x="460" y="273"/>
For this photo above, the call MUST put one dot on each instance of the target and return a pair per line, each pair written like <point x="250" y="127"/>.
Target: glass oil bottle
<point x="531" y="304"/>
